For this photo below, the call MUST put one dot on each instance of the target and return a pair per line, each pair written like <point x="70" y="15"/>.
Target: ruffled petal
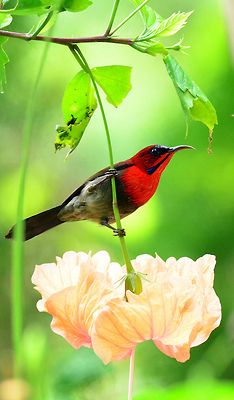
<point x="177" y="309"/>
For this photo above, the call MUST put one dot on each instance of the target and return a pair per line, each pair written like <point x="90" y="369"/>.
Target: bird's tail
<point x="39" y="223"/>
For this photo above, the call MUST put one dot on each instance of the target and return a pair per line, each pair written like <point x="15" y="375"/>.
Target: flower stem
<point x="82" y="61"/>
<point x="128" y="17"/>
<point x="131" y="374"/>
<point x="113" y="14"/>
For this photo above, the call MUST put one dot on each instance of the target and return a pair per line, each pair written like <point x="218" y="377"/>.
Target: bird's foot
<point x="111" y="172"/>
<point x="119" y="232"/>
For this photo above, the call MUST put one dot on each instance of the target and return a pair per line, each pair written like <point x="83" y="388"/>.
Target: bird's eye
<point x="159" y="150"/>
<point x="155" y="151"/>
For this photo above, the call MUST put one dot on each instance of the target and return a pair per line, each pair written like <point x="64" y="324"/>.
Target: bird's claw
<point x="111" y="172"/>
<point x="119" y="232"/>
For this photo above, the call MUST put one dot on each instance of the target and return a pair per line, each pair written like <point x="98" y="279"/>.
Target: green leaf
<point x="149" y="15"/>
<point x="78" y="106"/>
<point x="76" y="5"/>
<point x="5" y="20"/>
<point x="114" y="81"/>
<point x="194" y="102"/>
<point x="151" y="48"/>
<point x="27" y="7"/>
<point x="166" y="27"/>
<point x="3" y="61"/>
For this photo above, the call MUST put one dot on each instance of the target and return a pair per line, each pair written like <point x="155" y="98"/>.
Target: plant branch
<point x="66" y="41"/>
<point x="116" y="4"/>
<point x="81" y="60"/>
<point x="129" y="17"/>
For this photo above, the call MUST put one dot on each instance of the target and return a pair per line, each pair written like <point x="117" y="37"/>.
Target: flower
<point x="177" y="308"/>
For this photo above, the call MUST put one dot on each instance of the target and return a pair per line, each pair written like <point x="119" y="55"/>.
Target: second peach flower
<point x="177" y="309"/>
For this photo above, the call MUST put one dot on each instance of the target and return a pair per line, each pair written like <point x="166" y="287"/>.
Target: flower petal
<point x="177" y="309"/>
<point x="73" y="290"/>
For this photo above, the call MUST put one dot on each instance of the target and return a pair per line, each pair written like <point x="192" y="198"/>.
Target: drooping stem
<point x="129" y="17"/>
<point x="82" y="61"/>
<point x="17" y="259"/>
<point x="131" y="374"/>
<point x="113" y="14"/>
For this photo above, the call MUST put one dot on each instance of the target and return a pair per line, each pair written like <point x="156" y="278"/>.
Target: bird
<point x="136" y="180"/>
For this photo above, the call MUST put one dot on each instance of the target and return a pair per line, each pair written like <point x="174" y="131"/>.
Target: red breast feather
<point x="138" y="185"/>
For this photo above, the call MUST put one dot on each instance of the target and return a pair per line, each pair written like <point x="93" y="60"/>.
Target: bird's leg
<point x="117" y="232"/>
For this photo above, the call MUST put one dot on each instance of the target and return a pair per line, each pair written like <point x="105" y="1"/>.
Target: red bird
<point x="136" y="182"/>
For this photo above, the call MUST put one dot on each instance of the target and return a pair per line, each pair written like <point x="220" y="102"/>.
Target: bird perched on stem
<point x="136" y="182"/>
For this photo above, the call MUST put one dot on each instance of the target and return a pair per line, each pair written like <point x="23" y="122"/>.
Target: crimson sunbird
<point x="136" y="182"/>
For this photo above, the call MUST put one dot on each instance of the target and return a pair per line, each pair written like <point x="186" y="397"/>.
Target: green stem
<point x="18" y="249"/>
<point x="81" y="60"/>
<point x="116" y="4"/>
<point x="42" y="25"/>
<point x="129" y="17"/>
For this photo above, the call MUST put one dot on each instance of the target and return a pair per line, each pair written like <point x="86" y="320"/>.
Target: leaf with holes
<point x="114" y="81"/>
<point x="79" y="104"/>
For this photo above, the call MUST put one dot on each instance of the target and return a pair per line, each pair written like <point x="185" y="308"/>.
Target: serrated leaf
<point x="3" y="61"/>
<point x="5" y="20"/>
<point x="78" y="107"/>
<point x="194" y="102"/>
<point x="114" y="81"/>
<point x="166" y="27"/>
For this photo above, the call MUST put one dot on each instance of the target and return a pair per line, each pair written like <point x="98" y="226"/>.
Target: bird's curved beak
<point x="182" y="147"/>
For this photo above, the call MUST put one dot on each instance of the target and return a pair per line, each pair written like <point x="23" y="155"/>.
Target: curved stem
<point x="128" y="17"/>
<point x="116" y="4"/>
<point x="81" y="59"/>
<point x="131" y="374"/>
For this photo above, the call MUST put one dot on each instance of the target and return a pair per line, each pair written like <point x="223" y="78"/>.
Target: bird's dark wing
<point x="120" y="166"/>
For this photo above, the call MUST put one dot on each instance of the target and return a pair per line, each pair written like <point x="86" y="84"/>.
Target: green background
<point x="191" y="214"/>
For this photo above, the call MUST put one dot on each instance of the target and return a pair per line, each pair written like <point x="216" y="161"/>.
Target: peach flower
<point x="177" y="308"/>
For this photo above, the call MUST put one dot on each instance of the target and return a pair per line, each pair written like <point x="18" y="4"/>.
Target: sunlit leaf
<point x="194" y="102"/>
<point x="115" y="82"/>
<point x="5" y="20"/>
<point x="3" y="61"/>
<point x="78" y="106"/>
<point x="166" y="27"/>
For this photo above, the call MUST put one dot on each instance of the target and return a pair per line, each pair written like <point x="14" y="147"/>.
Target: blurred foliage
<point x="191" y="214"/>
<point x="195" y="390"/>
